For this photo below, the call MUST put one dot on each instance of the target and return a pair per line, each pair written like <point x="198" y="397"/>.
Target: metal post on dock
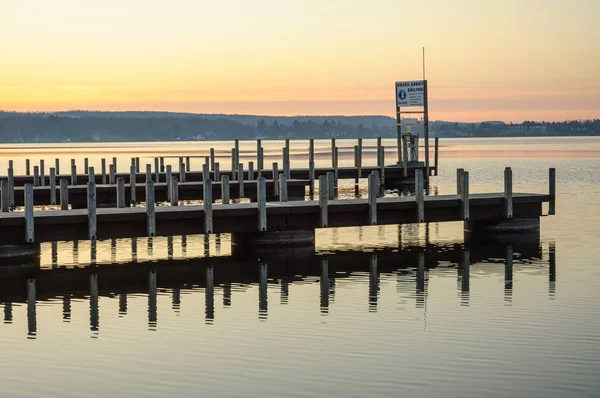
<point x="150" y="209"/>
<point x="237" y="152"/>
<point x="112" y="171"/>
<point x="137" y="164"/>
<point x="333" y="152"/>
<point x="464" y="195"/>
<point x="27" y="167"/>
<point x="86" y="165"/>
<point x="52" y="186"/>
<point x="419" y="195"/>
<point x="212" y="159"/>
<point x="208" y="207"/>
<point x="132" y="182"/>
<point x="250" y="171"/>
<point x="275" y="179"/>
<point x="156" y="170"/>
<point x="42" y="173"/>
<point x="174" y="191"/>
<point x="103" y="167"/>
<point x="373" y="190"/>
<point x="283" y="188"/>
<point x="91" y="174"/>
<point x="206" y="171"/>
<point x="148" y="172"/>
<point x="435" y="161"/>
<point x="11" y="185"/>
<point x="241" y="180"/>
<point x="64" y="194"/>
<point x="459" y="173"/>
<point x="57" y="166"/>
<point x="169" y="174"/>
<point x="91" y="210"/>
<point x="5" y="196"/>
<point x="225" y="189"/>
<point x="379" y="151"/>
<point x="114" y="162"/>
<point x="36" y="176"/>
<point x="181" y="172"/>
<point x="162" y="164"/>
<point x="188" y="165"/>
<point x="335" y="167"/>
<point x="311" y="178"/>
<point x="323" y="199"/>
<point x="508" y="193"/>
<point x="552" y="191"/>
<point x="29" y="219"/>
<point x="120" y="193"/>
<point x="330" y="185"/>
<point x="382" y="167"/>
<point x="217" y="171"/>
<point x="261" y="195"/>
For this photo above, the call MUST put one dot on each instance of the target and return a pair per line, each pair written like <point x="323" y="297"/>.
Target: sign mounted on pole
<point x="411" y="93"/>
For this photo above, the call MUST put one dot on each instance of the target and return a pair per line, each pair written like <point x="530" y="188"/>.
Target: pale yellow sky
<point x="486" y="59"/>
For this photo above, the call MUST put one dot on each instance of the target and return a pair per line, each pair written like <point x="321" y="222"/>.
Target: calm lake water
<point x="374" y="312"/>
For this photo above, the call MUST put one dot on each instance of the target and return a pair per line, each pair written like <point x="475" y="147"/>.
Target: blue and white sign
<point x="410" y="93"/>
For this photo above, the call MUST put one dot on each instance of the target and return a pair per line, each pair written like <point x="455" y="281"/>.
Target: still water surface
<point x="374" y="312"/>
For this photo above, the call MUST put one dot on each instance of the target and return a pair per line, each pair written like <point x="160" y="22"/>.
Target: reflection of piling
<point x="8" y="313"/>
<point x="122" y="304"/>
<point x="66" y="302"/>
<point x="552" y="268"/>
<point x="324" y="286"/>
<point x="227" y="294"/>
<point x="31" y="311"/>
<point x="262" y="292"/>
<point x="373" y="283"/>
<point x="176" y="299"/>
<point x="465" y="263"/>
<point x="94" y="312"/>
<point x="209" y="294"/>
<point x="152" y="293"/>
<point x="285" y="290"/>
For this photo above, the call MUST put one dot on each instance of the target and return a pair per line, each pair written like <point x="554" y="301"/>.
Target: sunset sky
<point x="486" y="60"/>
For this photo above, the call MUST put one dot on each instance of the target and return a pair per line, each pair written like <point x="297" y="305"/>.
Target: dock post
<point x="148" y="172"/>
<point x="156" y="171"/>
<point x="52" y="186"/>
<point x="237" y="152"/>
<point x="150" y="210"/>
<point x="464" y="195"/>
<point x="132" y="181"/>
<point x="356" y="164"/>
<point x="552" y="191"/>
<point x="64" y="194"/>
<point x="212" y="160"/>
<point x="57" y="166"/>
<point x="120" y="193"/>
<point x="181" y="172"/>
<point x="225" y="189"/>
<point x="174" y="191"/>
<point x="260" y="162"/>
<point x="103" y="166"/>
<point x="137" y="165"/>
<point x="405" y="155"/>
<point x="275" y="179"/>
<point x="419" y="195"/>
<point x="86" y="165"/>
<point x="330" y="185"/>
<point x="435" y="160"/>
<point x="91" y="174"/>
<point x="112" y="171"/>
<point x="373" y="189"/>
<point x="311" y="150"/>
<point x="233" y="163"/>
<point x="42" y="173"/>
<point x="286" y="161"/>
<point x="241" y="180"/>
<point x="459" y="173"/>
<point x="11" y="186"/>
<point x="323" y="199"/>
<point x="27" y="167"/>
<point x="5" y="196"/>
<point x="250" y="171"/>
<point x="206" y="171"/>
<point x="162" y="164"/>
<point x="169" y="175"/>
<point x="188" y="166"/>
<point x="378" y="150"/>
<point x="333" y="152"/>
<point x="114" y="162"/>
<point x="91" y="210"/>
<point x="360" y="147"/>
<point x="208" y="206"/>
<point x="261" y="195"/>
<point x="217" y="171"/>
<point x="29" y="219"/>
<point x="311" y="178"/>
<point x="336" y="168"/>
<point x="36" y="176"/>
<point x="508" y="193"/>
<point x="382" y="167"/>
<point x="73" y="174"/>
<point x="283" y="188"/>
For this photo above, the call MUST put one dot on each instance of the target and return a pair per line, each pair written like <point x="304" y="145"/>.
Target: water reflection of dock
<point x="412" y="267"/>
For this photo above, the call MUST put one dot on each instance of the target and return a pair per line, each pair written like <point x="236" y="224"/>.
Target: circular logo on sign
<point x="402" y="94"/>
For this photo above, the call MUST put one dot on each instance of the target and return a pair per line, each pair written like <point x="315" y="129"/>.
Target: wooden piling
<point x="29" y="218"/>
<point x="237" y="152"/>
<point x="36" y="176"/>
<point x="333" y="152"/>
<point x="212" y="160"/>
<point x="508" y="193"/>
<point x="114" y="163"/>
<point x="275" y="179"/>
<point x="311" y="178"/>
<point x="156" y="170"/>
<point x="435" y="160"/>
<point x="174" y="191"/>
<point x="233" y="164"/>
<point x="335" y="166"/>
<point x="103" y="167"/>
<point x="52" y="186"/>
<point x="356" y="164"/>
<point x="91" y="174"/>
<point x="372" y="192"/>
<point x="225" y="189"/>
<point x="42" y="173"/>
<point x="286" y="161"/>
<point x="86" y="165"/>
<point x="148" y="172"/>
<point x="11" y="185"/>
<point x="261" y="194"/>
<point x="132" y="182"/>
<point x="137" y="164"/>
<point x="150" y="209"/>
<point x="91" y="210"/>
<point x="464" y="195"/>
<point x="330" y="185"/>
<point x="206" y="171"/>
<point x="260" y="162"/>
<point x="382" y="167"/>
<point x="182" y="172"/>
<point x="5" y="196"/>
<point x="323" y="201"/>
<point x="311" y="150"/>
<point x="57" y="166"/>
<point x="208" y="206"/>
<point x="64" y="194"/>
<point x="459" y="173"/>
<point x="112" y="172"/>
<point x="405" y="155"/>
<point x="241" y="180"/>
<point x="188" y="165"/>
<point x="27" y="167"/>
<point x="162" y="165"/>
<point x="121" y="193"/>
<point x="283" y="188"/>
<point x="378" y="151"/>
<point x="250" y="171"/>
<point x="73" y="174"/>
<point x="419" y="195"/>
<point x="552" y="191"/>
<point x="217" y="171"/>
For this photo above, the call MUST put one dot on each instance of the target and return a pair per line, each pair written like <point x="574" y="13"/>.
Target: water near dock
<point x="375" y="311"/>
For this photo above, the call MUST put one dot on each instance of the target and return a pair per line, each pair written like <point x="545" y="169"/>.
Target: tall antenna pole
<point x="423" y="63"/>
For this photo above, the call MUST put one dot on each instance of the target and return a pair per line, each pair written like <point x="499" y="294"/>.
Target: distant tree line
<point x="86" y="126"/>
